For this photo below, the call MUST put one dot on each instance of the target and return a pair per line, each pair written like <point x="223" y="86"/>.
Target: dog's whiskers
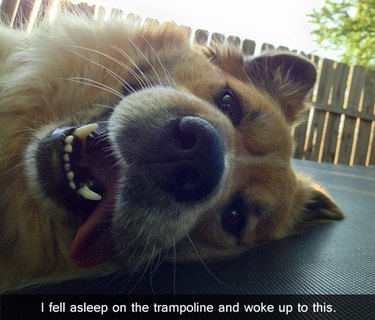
<point x="174" y="265"/>
<point x="130" y="245"/>
<point x="28" y="130"/>
<point x="12" y="155"/>
<point x="37" y="122"/>
<point x="118" y="78"/>
<point x="145" y="82"/>
<point x="144" y="56"/>
<point x="204" y="264"/>
<point x="131" y="274"/>
<point x="121" y="81"/>
<point x="151" y="267"/>
<point x="104" y="106"/>
<point x="10" y="172"/>
<point x="159" y="259"/>
<point x="141" y="263"/>
<point x="217" y="215"/>
<point x="96" y="84"/>
<point x="168" y="77"/>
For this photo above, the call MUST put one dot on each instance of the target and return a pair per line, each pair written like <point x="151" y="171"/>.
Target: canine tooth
<point x="84" y="131"/>
<point x="68" y="148"/>
<point x="66" y="157"/>
<point x="69" y="139"/>
<point x="70" y="176"/>
<point x="88" y="194"/>
<point x="72" y="185"/>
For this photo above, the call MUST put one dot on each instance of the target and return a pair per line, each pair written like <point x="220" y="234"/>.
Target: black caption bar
<point x="15" y="307"/>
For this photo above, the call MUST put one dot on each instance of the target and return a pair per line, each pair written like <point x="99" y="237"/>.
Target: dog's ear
<point x="286" y="76"/>
<point x="313" y="205"/>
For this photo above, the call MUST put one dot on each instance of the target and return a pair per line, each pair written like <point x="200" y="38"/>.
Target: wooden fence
<point x="341" y="122"/>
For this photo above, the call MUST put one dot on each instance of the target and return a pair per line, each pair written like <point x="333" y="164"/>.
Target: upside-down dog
<point x="121" y="143"/>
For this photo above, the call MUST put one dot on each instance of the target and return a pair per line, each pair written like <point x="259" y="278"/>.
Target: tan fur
<point x="36" y="97"/>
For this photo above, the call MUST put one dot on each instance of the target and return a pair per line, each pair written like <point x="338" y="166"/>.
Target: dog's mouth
<point x="85" y="160"/>
<point x="78" y="169"/>
<point x="100" y="176"/>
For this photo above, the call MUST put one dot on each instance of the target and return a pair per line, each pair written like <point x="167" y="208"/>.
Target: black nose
<point x="187" y="158"/>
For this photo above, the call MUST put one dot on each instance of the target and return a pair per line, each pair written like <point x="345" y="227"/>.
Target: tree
<point x="347" y="26"/>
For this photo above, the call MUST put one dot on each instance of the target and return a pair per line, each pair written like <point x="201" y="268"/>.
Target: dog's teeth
<point x="72" y="185"/>
<point x="70" y="176"/>
<point x="84" y="131"/>
<point x="68" y="148"/>
<point x="69" y="139"/>
<point x="88" y="194"/>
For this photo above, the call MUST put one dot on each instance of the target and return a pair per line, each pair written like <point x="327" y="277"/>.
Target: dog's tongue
<point x="93" y="243"/>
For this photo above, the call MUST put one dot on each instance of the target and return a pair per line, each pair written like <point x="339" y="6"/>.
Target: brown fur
<point x="36" y="97"/>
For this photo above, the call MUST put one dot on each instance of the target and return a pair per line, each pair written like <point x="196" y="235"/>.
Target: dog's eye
<point x="228" y="103"/>
<point x="234" y="219"/>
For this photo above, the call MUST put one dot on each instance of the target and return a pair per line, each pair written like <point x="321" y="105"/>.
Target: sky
<point x="279" y="22"/>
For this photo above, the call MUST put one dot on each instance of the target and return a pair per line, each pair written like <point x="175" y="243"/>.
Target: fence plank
<point x="299" y="136"/>
<point x="347" y="137"/>
<point x="331" y="138"/>
<point x="233" y="40"/>
<point x="248" y="47"/>
<point x="363" y="140"/>
<point x="372" y="155"/>
<point x="43" y="10"/>
<point x="217" y="38"/>
<point x="316" y="134"/>
<point x="347" y="140"/>
<point x="100" y="13"/>
<point x="282" y="48"/>
<point x="317" y="124"/>
<point x="267" y="46"/>
<point x="82" y="8"/>
<point x="340" y="78"/>
<point x="364" y="130"/>
<point x="117" y="13"/>
<point x="134" y="18"/>
<point x="201" y="37"/>
<point x="8" y="11"/>
<point x="23" y="13"/>
<point x="314" y="59"/>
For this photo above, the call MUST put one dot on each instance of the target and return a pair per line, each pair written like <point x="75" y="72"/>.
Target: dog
<point x="121" y="143"/>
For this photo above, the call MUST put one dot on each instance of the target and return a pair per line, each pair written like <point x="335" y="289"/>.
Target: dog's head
<point x="161" y="148"/>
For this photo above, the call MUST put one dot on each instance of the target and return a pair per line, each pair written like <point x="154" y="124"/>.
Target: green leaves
<point x="347" y="26"/>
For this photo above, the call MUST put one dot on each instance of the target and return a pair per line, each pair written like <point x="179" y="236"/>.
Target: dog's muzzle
<point x="186" y="158"/>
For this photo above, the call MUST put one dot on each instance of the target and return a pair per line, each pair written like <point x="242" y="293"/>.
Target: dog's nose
<point x="187" y="159"/>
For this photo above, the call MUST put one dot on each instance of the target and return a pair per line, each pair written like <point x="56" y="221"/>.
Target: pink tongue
<point x="93" y="243"/>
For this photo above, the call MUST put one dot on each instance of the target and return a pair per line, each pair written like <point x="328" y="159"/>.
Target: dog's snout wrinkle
<point x="187" y="158"/>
